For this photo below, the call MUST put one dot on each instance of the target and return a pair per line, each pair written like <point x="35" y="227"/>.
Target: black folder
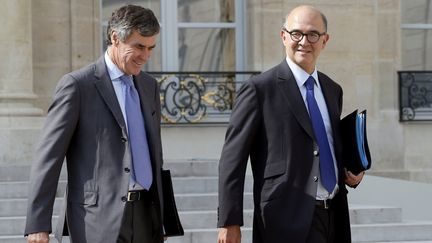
<point x="171" y="220"/>
<point x="356" y="155"/>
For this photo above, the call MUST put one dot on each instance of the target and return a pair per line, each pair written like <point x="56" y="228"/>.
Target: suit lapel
<point x="106" y="90"/>
<point x="146" y="95"/>
<point x="331" y="99"/>
<point x="333" y="107"/>
<point x="291" y="92"/>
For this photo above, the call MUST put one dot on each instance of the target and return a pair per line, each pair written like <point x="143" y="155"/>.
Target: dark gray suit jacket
<point x="270" y="123"/>
<point x="85" y="124"/>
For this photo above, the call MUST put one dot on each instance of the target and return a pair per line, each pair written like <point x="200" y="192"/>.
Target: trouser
<point x="323" y="228"/>
<point x="141" y="221"/>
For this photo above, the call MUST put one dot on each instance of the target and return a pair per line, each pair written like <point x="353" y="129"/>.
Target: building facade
<point x="370" y="41"/>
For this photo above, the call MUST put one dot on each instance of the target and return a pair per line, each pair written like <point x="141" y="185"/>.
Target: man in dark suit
<point x="105" y="119"/>
<point x="287" y="121"/>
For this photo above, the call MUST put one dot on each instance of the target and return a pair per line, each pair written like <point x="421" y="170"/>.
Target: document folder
<point x="171" y="221"/>
<point x="355" y="151"/>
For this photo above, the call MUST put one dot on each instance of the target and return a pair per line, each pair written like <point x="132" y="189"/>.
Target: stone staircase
<point x="195" y="185"/>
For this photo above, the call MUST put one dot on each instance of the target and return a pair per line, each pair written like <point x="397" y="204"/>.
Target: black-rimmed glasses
<point x="297" y="36"/>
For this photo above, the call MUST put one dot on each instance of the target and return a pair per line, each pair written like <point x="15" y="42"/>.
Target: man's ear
<point x="114" y="38"/>
<point x="283" y="36"/>
<point x="326" y="38"/>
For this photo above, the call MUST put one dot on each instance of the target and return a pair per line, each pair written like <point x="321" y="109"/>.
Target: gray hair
<point x="127" y="19"/>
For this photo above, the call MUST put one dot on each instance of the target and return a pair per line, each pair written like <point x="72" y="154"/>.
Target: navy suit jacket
<point x="271" y="125"/>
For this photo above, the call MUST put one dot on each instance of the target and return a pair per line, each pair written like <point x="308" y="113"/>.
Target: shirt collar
<point x="301" y="75"/>
<point x="113" y="71"/>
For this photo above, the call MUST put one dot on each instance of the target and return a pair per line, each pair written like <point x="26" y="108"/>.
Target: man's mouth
<point x="303" y="51"/>
<point x="138" y="63"/>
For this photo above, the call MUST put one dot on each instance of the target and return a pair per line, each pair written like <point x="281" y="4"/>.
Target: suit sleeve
<point x="56" y="134"/>
<point x="244" y="121"/>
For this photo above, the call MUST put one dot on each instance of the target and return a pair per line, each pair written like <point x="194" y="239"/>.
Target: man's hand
<point x="229" y="234"/>
<point x="41" y="237"/>
<point x="353" y="180"/>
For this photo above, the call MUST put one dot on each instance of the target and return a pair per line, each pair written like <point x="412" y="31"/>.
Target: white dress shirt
<point x="120" y="90"/>
<point x="301" y="76"/>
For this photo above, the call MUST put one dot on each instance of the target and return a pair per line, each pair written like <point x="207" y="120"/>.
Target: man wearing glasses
<point x="287" y="121"/>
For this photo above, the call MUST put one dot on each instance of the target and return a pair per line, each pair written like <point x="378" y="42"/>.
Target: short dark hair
<point x="129" y="18"/>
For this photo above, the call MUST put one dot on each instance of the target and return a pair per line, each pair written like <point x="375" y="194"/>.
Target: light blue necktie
<point x="327" y="170"/>
<point x="137" y="135"/>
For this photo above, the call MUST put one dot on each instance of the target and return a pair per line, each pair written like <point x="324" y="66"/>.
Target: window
<point x="415" y="86"/>
<point x="416" y="24"/>
<point x="196" y="35"/>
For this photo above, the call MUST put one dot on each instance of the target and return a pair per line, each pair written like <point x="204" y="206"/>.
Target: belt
<point x="137" y="195"/>
<point x="323" y="204"/>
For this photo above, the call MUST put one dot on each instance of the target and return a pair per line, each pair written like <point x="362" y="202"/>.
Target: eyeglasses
<point x="297" y="36"/>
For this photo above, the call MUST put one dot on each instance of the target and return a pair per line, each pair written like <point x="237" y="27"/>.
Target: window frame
<point x="171" y="25"/>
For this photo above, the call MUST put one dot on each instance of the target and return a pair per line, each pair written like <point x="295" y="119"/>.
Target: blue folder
<point x="355" y="150"/>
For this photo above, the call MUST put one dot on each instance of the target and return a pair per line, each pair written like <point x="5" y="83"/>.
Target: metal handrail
<point x="415" y="95"/>
<point x="198" y="97"/>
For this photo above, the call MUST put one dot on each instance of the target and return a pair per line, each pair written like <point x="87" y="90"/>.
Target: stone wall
<point x="66" y="36"/>
<point x="45" y="39"/>
<point x="40" y="40"/>
<point x="363" y="55"/>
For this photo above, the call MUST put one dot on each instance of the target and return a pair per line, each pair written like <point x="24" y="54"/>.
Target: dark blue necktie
<point x="137" y="135"/>
<point x="327" y="170"/>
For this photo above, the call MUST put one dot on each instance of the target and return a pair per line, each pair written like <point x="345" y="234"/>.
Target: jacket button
<point x="127" y="170"/>
<point x="124" y="199"/>
<point x="315" y="178"/>
<point x="123" y="139"/>
<point x="316" y="152"/>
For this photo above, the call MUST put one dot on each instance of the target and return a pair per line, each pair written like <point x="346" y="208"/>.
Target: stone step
<point x="205" y="201"/>
<point x="14" y="226"/>
<point x="19" y="189"/>
<point x="193" y="237"/>
<point x="420" y="232"/>
<point x="21" y="173"/>
<point x="12" y="239"/>
<point x="206" y="235"/>
<point x="189" y="168"/>
<point x="22" y="239"/>
<point x="18" y="207"/>
<point x="416" y="241"/>
<point x="184" y="202"/>
<point x="368" y="214"/>
<point x="207" y="219"/>
<point x="181" y="168"/>
<point x="205" y="184"/>
<point x="358" y="214"/>
<point x="405" y="231"/>
<point x="14" y="172"/>
<point x="195" y="185"/>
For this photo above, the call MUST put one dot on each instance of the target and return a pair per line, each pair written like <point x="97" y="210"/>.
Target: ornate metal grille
<point x="415" y="95"/>
<point x="198" y="97"/>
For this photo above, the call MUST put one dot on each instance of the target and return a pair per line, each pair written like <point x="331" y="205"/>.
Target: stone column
<point x="17" y="113"/>
<point x="16" y="73"/>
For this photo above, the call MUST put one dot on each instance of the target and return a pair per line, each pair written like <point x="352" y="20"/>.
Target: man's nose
<point x="145" y="54"/>
<point x="304" y="41"/>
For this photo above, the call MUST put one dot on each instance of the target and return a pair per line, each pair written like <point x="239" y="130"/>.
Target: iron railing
<point x="198" y="97"/>
<point x="415" y="95"/>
